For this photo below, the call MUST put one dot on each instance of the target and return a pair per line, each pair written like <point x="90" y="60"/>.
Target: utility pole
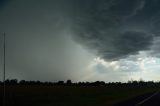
<point x="4" y="71"/>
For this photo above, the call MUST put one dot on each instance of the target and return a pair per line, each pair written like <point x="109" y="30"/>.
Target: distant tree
<point x="13" y="81"/>
<point x="22" y="82"/>
<point x="38" y="82"/>
<point x="1" y="82"/>
<point x="60" y="82"/>
<point x="141" y="80"/>
<point x="7" y="81"/>
<point x="98" y="83"/>
<point x="69" y="82"/>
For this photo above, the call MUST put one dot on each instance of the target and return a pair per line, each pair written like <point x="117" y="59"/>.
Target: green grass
<point x="72" y="95"/>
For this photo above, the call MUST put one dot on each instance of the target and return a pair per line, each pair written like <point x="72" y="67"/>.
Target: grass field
<point x="35" y="95"/>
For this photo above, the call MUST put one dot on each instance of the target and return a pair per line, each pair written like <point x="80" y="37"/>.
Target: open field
<point x="41" y="95"/>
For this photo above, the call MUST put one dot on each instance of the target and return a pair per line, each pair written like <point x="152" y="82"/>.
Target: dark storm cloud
<point x="116" y="29"/>
<point x="3" y="2"/>
<point x="38" y="45"/>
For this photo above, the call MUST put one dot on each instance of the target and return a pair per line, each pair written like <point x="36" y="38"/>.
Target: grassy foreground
<point x="40" y="95"/>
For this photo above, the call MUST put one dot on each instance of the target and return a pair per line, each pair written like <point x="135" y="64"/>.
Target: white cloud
<point x="142" y="66"/>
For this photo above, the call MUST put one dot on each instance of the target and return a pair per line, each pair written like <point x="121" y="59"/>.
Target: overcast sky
<point x="81" y="40"/>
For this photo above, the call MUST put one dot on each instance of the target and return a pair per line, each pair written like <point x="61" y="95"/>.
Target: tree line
<point x="70" y="83"/>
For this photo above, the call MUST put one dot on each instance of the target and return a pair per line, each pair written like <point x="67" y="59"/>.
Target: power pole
<point x="4" y="72"/>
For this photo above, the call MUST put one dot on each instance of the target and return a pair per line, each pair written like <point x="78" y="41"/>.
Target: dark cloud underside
<point x="116" y="28"/>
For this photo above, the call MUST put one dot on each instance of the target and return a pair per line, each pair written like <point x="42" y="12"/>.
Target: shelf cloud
<point x="116" y="28"/>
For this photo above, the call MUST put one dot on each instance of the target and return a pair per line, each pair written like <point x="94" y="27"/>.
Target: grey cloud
<point x="131" y="42"/>
<point x="126" y="8"/>
<point x="155" y="48"/>
<point x="38" y="45"/>
<point x="38" y="34"/>
<point x="3" y="3"/>
<point x="113" y="28"/>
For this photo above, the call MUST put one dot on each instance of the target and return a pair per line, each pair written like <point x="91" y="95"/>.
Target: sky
<point x="81" y="40"/>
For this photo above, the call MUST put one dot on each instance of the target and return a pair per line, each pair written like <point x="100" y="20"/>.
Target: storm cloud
<point x="115" y="29"/>
<point x="81" y="40"/>
<point x="38" y="42"/>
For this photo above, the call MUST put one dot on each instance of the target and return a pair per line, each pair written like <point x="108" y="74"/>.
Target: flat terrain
<point x="40" y="95"/>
